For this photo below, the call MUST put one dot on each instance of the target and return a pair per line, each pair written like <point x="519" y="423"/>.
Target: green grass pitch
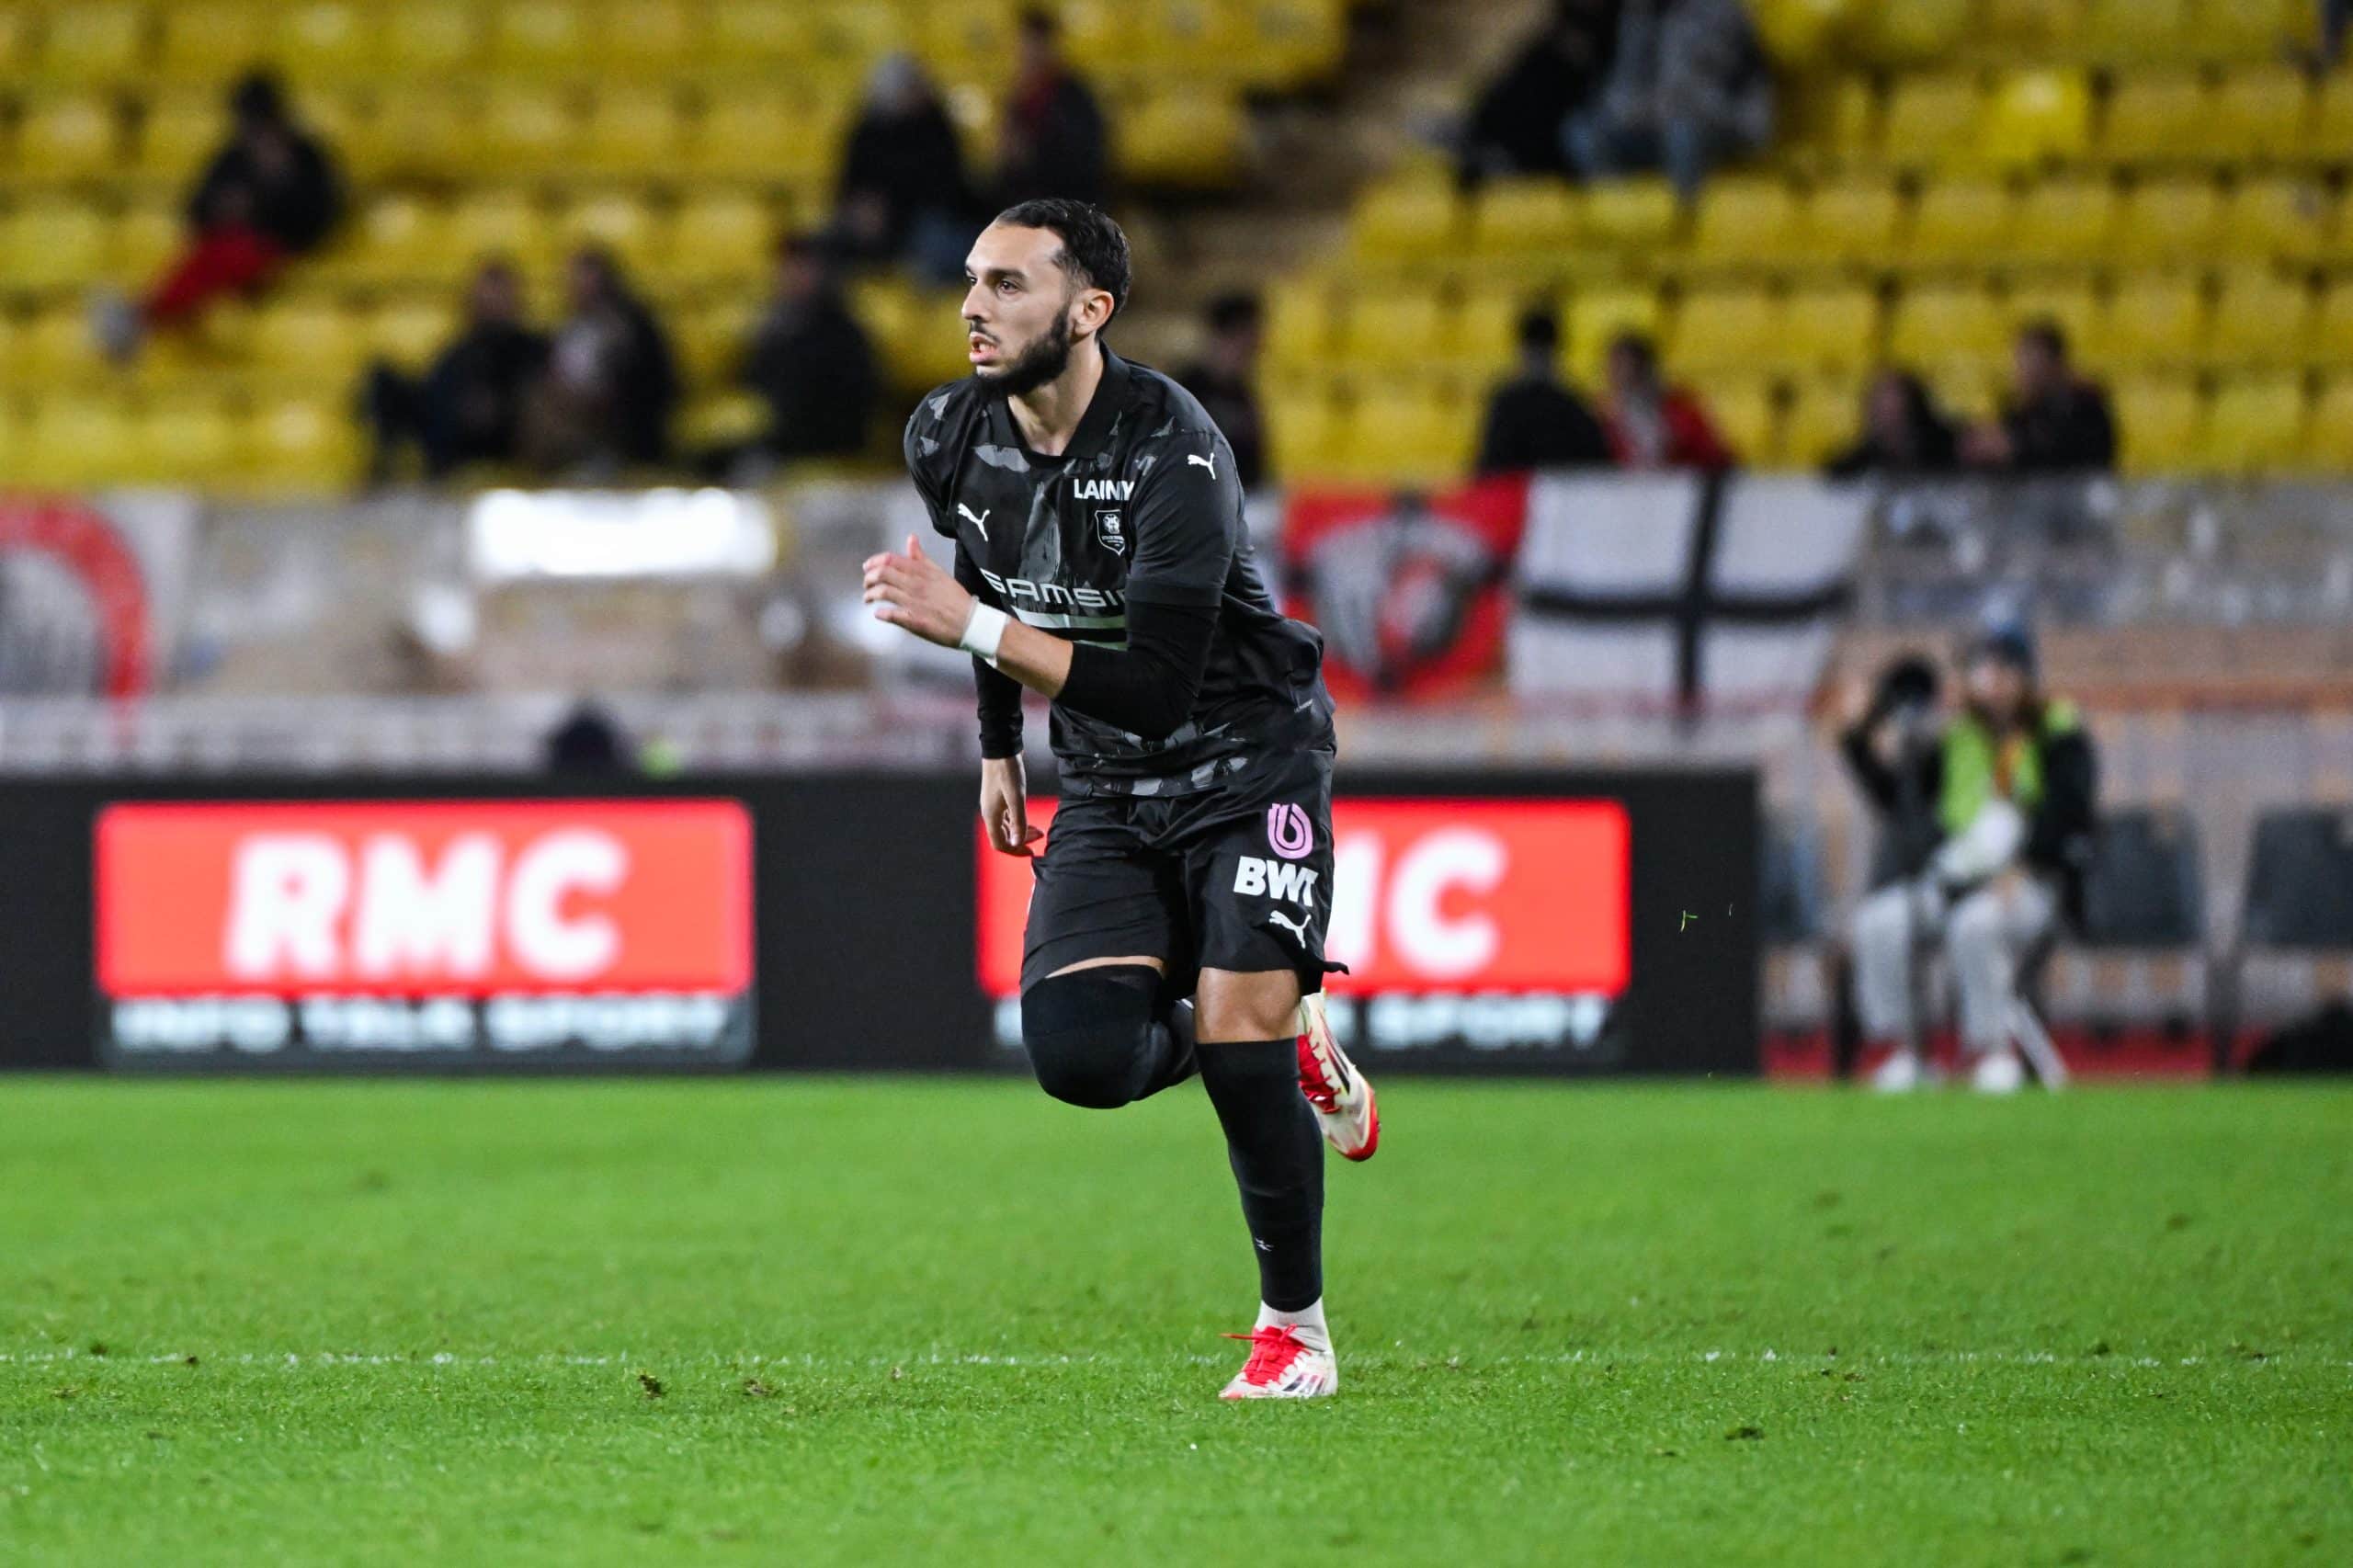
<point x="784" y="1321"/>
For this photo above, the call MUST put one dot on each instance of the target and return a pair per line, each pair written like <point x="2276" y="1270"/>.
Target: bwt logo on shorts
<point x="1289" y="833"/>
<point x="1275" y="878"/>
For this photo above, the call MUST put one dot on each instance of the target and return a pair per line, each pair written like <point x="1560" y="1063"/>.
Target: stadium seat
<point x="2328" y="437"/>
<point x="75" y="440"/>
<point x="1724" y="329"/>
<point x="2332" y="326"/>
<point x="418" y="132"/>
<point x="2033" y="116"/>
<point x="2157" y="424"/>
<point x="2151" y="323"/>
<point x="210" y="41"/>
<point x="2155" y="116"/>
<point x="1958" y="221"/>
<point x="1394" y="332"/>
<point x="431" y="40"/>
<point x="308" y="337"/>
<point x="526" y="131"/>
<point x="19" y="31"/>
<point x="2332" y="118"/>
<point x="395" y="238"/>
<point x="2298" y="906"/>
<point x="1408" y="218"/>
<point x="1743" y="222"/>
<point x="546" y="36"/>
<point x="93" y="42"/>
<point x="2261" y="318"/>
<point x="178" y="135"/>
<point x="146" y="235"/>
<point x="303" y="445"/>
<point x="1947" y="323"/>
<point x="723" y="237"/>
<point x="1306" y="430"/>
<point x="408" y="330"/>
<point x="499" y="222"/>
<point x="762" y="32"/>
<point x="632" y="130"/>
<point x="1629" y="215"/>
<point x="1930" y="120"/>
<point x="2068" y="218"/>
<point x="54" y="243"/>
<point x="2255" y="424"/>
<point x="1409" y="433"/>
<point x="1299" y="323"/>
<point x="1854" y="221"/>
<point x="2137" y="31"/>
<point x="330" y="40"/>
<point x="1515" y="217"/>
<point x="1825" y="417"/>
<point x="1295" y="42"/>
<point x="2260" y="113"/>
<point x="1748" y="413"/>
<point x="1184" y="139"/>
<point x="1831" y="329"/>
<point x="2283" y="218"/>
<point x="2251" y="30"/>
<point x="2172" y="220"/>
<point x="53" y="348"/>
<point x="187" y="442"/>
<point x="1597" y="316"/>
<point x="72" y="137"/>
<point x="1481" y="338"/>
<point x="618" y="221"/>
<point x="1917" y="32"/>
<point x="710" y="341"/>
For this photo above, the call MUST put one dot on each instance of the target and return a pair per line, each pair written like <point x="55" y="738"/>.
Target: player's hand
<point x="913" y="592"/>
<point x="1005" y="806"/>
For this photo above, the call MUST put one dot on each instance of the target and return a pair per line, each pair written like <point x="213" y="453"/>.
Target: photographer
<point x="2001" y="802"/>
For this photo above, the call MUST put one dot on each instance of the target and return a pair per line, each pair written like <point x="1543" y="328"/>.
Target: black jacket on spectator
<point x="1935" y="449"/>
<point x="1234" y="406"/>
<point x="295" y="208"/>
<point x="913" y="162"/>
<point x="2071" y="430"/>
<point x="470" y="407"/>
<point x="1064" y="145"/>
<point x="1515" y="124"/>
<point x="810" y="362"/>
<point x="1535" y="422"/>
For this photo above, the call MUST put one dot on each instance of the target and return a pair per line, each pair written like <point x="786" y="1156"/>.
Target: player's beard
<point x="1047" y="357"/>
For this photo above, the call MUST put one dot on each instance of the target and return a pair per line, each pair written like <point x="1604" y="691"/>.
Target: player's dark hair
<point x="1094" y="250"/>
<point x="1539" y="332"/>
<point x="2050" y="334"/>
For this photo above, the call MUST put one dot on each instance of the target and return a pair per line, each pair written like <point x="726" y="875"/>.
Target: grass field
<point x="821" y="1322"/>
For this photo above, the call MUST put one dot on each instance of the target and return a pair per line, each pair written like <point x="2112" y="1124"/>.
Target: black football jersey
<point x="1144" y="503"/>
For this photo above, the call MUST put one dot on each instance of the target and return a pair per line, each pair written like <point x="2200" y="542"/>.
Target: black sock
<point x="1278" y="1156"/>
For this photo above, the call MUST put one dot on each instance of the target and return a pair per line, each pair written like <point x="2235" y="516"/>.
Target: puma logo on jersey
<point x="1296" y="927"/>
<point x="980" y="522"/>
<point x="1208" y="462"/>
<point x="1102" y="489"/>
<point x="1019" y="589"/>
<point x="1275" y="878"/>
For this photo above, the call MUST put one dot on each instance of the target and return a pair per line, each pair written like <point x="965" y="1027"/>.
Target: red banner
<point x="1428" y="895"/>
<point x="462" y="898"/>
<point x="1409" y="591"/>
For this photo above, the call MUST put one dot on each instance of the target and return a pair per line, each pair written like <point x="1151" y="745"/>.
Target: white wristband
<point x="983" y="632"/>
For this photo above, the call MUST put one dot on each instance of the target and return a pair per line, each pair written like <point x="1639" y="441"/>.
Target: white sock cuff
<point x="1309" y="1316"/>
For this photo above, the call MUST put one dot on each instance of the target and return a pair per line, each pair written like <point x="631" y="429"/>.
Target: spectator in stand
<point x="611" y="384"/>
<point x="1225" y="379"/>
<point x="268" y="196"/>
<point x="1054" y="141"/>
<point x="468" y="406"/>
<point x="1516" y="126"/>
<point x="1690" y="89"/>
<point x="810" y="360"/>
<point x="2055" y="421"/>
<point x="902" y="194"/>
<point x="1535" y="419"/>
<point x="1903" y="433"/>
<point x="2336" y="22"/>
<point x="1652" y="425"/>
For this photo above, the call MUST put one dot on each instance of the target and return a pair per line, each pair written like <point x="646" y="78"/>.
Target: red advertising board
<point x="1430" y="896"/>
<point x="423" y="899"/>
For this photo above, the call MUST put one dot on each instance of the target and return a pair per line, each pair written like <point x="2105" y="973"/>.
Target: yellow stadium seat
<point x="2254" y="423"/>
<point x="94" y="41"/>
<point x="2157" y="424"/>
<point x="1747" y="413"/>
<point x="633" y="130"/>
<point x="2332" y="326"/>
<point x="537" y="35"/>
<point x="1520" y="216"/>
<point x="2177" y="220"/>
<point x="1825" y="417"/>
<point x="18" y="30"/>
<point x="2074" y="307"/>
<point x="648" y="36"/>
<point x="2261" y="318"/>
<point x="1930" y="120"/>
<point x="2151" y="323"/>
<point x="955" y="37"/>
<point x="1409" y="433"/>
<point x="1914" y="32"/>
<point x="2131" y="31"/>
<point x="1968" y="394"/>
<point x="409" y="329"/>
<point x="1306" y="430"/>
<point x="712" y="342"/>
<point x="431" y="40"/>
<point x="1724" y="329"/>
<point x="178" y="135"/>
<point x="2252" y="30"/>
<point x="1597" y="317"/>
<point x="207" y="40"/>
<point x="68" y="138"/>
<point x="2064" y="220"/>
<point x="2155" y="116"/>
<point x="420" y="132"/>
<point x="2328" y="439"/>
<point x="723" y="237"/>
<point x="1195" y="36"/>
<point x="492" y="222"/>
<point x="395" y="238"/>
<point x="1629" y="215"/>
<point x="527" y="130"/>
<point x="2283" y="218"/>
<point x="2260" y="112"/>
<point x="861" y="32"/>
<point x="762" y="135"/>
<point x="1958" y="221"/>
<point x="55" y="245"/>
<point x="1744" y="220"/>
<point x="1482" y="335"/>
<point x="1300" y="325"/>
<point x="2332" y="118"/>
<point x="2035" y="116"/>
<point x="308" y="339"/>
<point x="1945" y="323"/>
<point x="1396" y="332"/>
<point x="2029" y="29"/>
<point x="79" y="440"/>
<point x="1184" y="139"/>
<point x="617" y="221"/>
<point x="1853" y="220"/>
<point x="191" y="442"/>
<point x="1833" y="329"/>
<point x="1418" y="217"/>
<point x="762" y="30"/>
<point x="145" y="236"/>
<point x="330" y="40"/>
<point x="1293" y="42"/>
<point x="1851" y="122"/>
<point x="55" y="347"/>
<point x="303" y="444"/>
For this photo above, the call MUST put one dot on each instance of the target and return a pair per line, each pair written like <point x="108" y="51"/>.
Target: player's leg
<point x="1098" y="1014"/>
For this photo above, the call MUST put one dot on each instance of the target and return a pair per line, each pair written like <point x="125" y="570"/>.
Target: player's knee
<point x="1089" y="1034"/>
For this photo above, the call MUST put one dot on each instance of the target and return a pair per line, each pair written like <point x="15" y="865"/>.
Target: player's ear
<point x="1093" y="310"/>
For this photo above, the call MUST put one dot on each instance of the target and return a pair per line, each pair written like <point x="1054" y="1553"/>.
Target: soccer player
<point x="1176" y="921"/>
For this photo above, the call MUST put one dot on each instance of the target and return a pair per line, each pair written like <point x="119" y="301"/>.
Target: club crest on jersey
<point x="1111" y="528"/>
<point x="1289" y="833"/>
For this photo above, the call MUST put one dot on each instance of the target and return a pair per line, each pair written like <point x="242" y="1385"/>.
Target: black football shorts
<point x="1235" y="877"/>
